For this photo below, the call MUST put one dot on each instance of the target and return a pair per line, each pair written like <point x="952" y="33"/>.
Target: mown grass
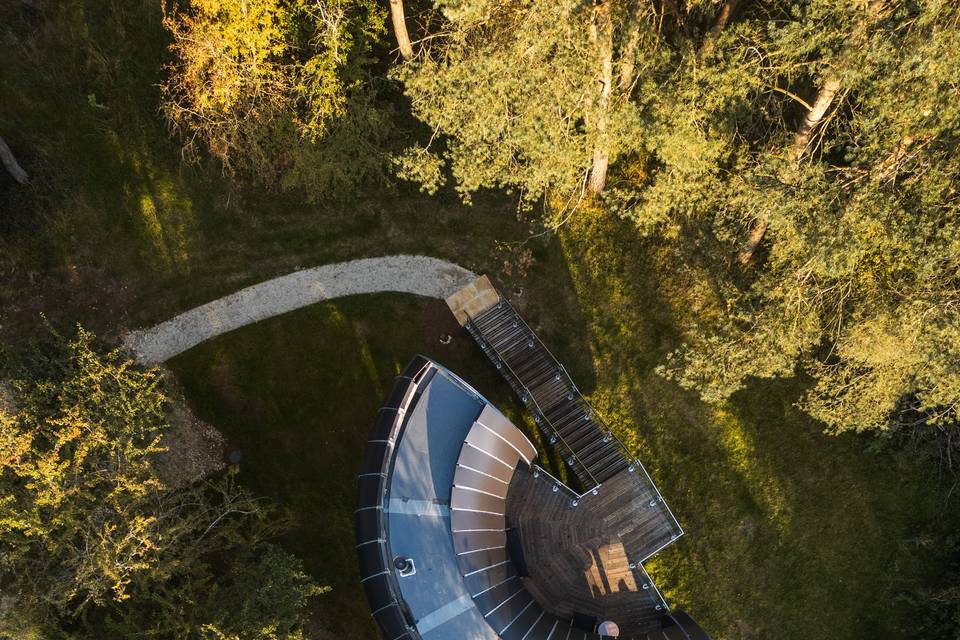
<point x="298" y="395"/>
<point x="790" y="533"/>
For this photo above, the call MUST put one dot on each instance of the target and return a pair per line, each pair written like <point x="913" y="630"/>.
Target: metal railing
<point x="602" y="425"/>
<point x="656" y="596"/>
<point x="528" y="396"/>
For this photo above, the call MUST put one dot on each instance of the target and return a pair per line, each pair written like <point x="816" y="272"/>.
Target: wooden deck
<point x="580" y="556"/>
<point x="585" y="552"/>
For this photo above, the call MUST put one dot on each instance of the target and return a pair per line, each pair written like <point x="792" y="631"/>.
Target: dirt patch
<point x="194" y="448"/>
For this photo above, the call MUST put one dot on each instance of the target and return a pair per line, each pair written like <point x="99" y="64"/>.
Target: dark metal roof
<point x="373" y="549"/>
<point x="438" y="474"/>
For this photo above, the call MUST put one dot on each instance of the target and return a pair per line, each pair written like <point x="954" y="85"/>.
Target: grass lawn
<point x="790" y="533"/>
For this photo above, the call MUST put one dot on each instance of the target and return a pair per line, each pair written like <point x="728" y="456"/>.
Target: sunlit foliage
<point x="92" y="544"/>
<point x="514" y="88"/>
<point x="860" y="282"/>
<point x="825" y="132"/>
<point x="278" y="89"/>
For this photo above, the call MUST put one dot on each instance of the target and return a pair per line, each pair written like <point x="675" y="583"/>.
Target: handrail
<point x="529" y="394"/>
<point x="624" y="450"/>
<point x="561" y="483"/>
<point x="638" y="566"/>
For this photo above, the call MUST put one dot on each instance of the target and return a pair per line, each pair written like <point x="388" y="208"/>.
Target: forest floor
<point x="790" y="533"/>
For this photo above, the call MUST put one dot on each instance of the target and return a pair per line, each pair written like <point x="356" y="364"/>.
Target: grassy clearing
<point x="790" y="533"/>
<point x="298" y="394"/>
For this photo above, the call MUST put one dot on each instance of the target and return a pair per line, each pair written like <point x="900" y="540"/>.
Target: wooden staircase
<point x="562" y="414"/>
<point x="544" y="386"/>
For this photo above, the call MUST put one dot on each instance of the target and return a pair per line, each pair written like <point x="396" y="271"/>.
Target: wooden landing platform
<point x="580" y="556"/>
<point x="473" y="299"/>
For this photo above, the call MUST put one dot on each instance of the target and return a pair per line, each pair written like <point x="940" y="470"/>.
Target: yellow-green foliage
<point x="513" y="87"/>
<point x="92" y="544"/>
<point x="259" y="83"/>
<point x="857" y="284"/>
<point x="76" y="475"/>
<point x="789" y="533"/>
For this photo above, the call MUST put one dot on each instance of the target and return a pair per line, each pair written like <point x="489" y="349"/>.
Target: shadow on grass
<point x="298" y="395"/>
<point x="790" y="533"/>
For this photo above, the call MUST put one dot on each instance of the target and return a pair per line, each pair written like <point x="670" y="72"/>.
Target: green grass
<point x="790" y="533"/>
<point x="298" y="394"/>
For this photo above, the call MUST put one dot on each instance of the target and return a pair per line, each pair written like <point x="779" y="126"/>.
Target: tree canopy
<point x="814" y="141"/>
<point x="279" y="89"/>
<point x="858" y="282"/>
<point x="92" y="544"/>
<point x="533" y="97"/>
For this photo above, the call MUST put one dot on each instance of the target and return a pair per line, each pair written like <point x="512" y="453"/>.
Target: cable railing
<point x="650" y="586"/>
<point x="624" y="450"/>
<point x="528" y="396"/>
<point x="602" y="425"/>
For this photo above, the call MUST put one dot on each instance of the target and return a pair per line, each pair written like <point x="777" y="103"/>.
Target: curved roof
<point x="442" y="472"/>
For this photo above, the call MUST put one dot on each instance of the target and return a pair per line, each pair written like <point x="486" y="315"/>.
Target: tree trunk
<point x="11" y="164"/>
<point x="814" y="116"/>
<point x="756" y="237"/>
<point x="400" y="29"/>
<point x="723" y="19"/>
<point x="808" y="126"/>
<point x="601" y="35"/>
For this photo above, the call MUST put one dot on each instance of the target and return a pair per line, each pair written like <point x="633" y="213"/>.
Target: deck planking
<point x="580" y="556"/>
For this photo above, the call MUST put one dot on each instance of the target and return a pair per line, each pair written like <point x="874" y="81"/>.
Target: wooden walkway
<point x="585" y="551"/>
<point x="549" y="393"/>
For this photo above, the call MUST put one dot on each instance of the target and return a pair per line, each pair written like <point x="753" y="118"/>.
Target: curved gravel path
<point x="419" y="275"/>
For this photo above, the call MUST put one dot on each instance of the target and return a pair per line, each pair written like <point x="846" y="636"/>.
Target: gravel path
<point x="419" y="275"/>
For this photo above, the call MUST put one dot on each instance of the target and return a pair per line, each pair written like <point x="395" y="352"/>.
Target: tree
<point x="75" y="518"/>
<point x="859" y="284"/>
<point x="93" y="545"/>
<point x="823" y="133"/>
<point x="399" y="21"/>
<point x="278" y="90"/>
<point x="525" y="93"/>
<point x="811" y="120"/>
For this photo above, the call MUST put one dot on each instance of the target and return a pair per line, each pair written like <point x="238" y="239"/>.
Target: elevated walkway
<point x="462" y="535"/>
<point x="562" y="414"/>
